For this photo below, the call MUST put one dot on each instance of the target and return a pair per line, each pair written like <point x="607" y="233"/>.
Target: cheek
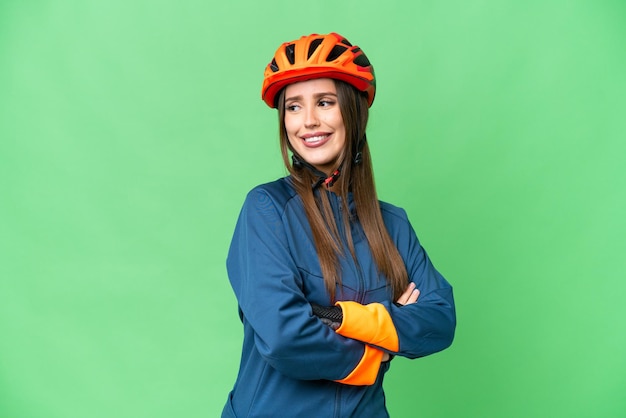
<point x="339" y="126"/>
<point x="290" y="126"/>
<point x="291" y="134"/>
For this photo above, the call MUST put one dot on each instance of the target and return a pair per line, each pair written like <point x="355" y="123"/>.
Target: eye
<point x="292" y="107"/>
<point x="326" y="103"/>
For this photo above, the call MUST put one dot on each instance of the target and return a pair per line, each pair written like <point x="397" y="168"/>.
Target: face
<point x="314" y="123"/>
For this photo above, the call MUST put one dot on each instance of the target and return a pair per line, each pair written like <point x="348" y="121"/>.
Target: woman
<point x="325" y="275"/>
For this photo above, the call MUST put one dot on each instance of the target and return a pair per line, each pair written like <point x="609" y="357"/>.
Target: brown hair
<point x="357" y="178"/>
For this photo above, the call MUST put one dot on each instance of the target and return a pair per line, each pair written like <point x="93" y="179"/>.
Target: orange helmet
<point x="318" y="56"/>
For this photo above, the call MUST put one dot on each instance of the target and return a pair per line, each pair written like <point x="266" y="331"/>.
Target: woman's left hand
<point x="409" y="296"/>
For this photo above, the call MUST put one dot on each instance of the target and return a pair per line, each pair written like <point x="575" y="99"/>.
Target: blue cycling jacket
<point x="292" y="364"/>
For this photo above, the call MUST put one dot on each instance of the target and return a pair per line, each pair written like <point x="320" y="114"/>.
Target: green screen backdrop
<point x="130" y="132"/>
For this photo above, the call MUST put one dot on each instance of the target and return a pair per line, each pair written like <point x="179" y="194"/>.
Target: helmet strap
<point x="358" y="156"/>
<point x="322" y="178"/>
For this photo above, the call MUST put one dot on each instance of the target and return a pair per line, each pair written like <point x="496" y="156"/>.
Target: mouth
<point x="316" y="139"/>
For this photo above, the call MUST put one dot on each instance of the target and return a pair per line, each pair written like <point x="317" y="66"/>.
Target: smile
<point x="316" y="140"/>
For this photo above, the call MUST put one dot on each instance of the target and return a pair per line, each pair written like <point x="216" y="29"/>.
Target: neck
<point x="324" y="180"/>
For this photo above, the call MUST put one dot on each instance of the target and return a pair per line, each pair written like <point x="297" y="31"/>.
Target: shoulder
<point x="393" y="214"/>
<point x="398" y="225"/>
<point x="273" y="194"/>
<point x="280" y="190"/>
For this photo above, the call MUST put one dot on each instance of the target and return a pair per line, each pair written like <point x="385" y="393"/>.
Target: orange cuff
<point x="365" y="373"/>
<point x="370" y="324"/>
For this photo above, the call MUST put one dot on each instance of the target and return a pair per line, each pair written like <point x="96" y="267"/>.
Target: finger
<point x="404" y="298"/>
<point x="413" y="298"/>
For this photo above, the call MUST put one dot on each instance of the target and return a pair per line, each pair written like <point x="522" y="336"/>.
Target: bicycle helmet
<point x="318" y="56"/>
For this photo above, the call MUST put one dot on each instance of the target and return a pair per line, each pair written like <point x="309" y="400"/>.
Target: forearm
<point x="414" y="330"/>
<point x="319" y="353"/>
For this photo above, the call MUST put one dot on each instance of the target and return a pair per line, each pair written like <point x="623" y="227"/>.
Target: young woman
<point x="326" y="276"/>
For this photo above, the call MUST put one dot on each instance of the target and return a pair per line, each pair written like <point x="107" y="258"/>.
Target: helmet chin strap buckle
<point x="330" y="180"/>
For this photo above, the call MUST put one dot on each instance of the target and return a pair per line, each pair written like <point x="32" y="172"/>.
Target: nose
<point x="311" y="118"/>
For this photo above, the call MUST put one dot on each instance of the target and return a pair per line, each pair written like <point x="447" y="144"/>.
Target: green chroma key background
<point x="130" y="133"/>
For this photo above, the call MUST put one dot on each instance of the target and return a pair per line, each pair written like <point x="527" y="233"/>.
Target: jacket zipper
<point x="337" y="210"/>
<point x="338" y="402"/>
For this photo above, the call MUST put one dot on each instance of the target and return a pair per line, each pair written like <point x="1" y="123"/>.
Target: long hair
<point x="355" y="178"/>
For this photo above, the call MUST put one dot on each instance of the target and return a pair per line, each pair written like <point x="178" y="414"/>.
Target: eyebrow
<point x="316" y="95"/>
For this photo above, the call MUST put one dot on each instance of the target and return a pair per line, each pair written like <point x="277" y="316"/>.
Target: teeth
<point x="315" y="138"/>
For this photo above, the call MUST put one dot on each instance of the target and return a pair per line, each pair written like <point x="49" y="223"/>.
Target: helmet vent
<point x="313" y="47"/>
<point x="336" y="52"/>
<point x="290" y="52"/>
<point x="274" y="66"/>
<point x="362" y="61"/>
<point x="345" y="42"/>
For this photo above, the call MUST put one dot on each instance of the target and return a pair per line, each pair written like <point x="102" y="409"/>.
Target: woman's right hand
<point x="409" y="296"/>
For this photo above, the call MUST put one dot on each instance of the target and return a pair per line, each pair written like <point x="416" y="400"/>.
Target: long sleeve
<point x="414" y="330"/>
<point x="269" y="290"/>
